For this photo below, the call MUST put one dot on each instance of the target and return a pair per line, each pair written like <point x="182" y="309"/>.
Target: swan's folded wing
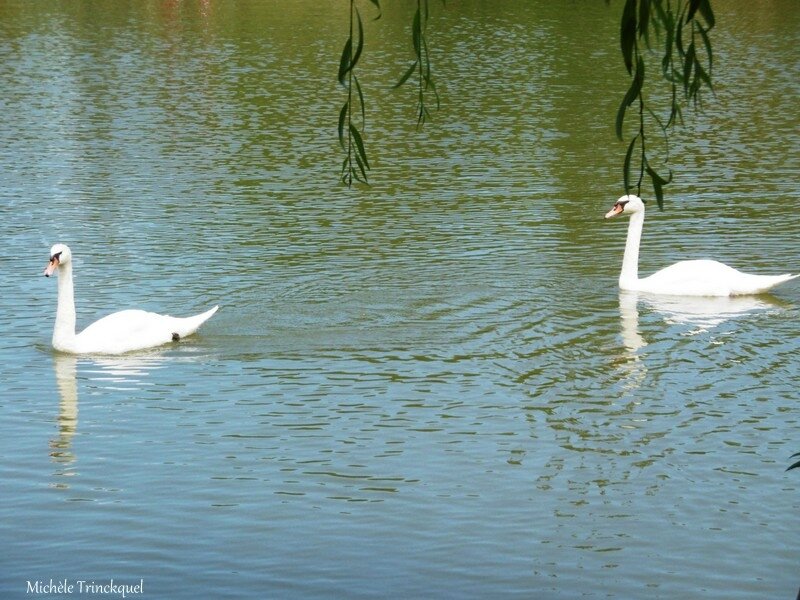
<point x="707" y="278"/>
<point x="130" y="330"/>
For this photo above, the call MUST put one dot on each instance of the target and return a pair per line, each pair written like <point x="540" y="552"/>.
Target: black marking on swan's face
<point x="617" y="209"/>
<point x="55" y="261"/>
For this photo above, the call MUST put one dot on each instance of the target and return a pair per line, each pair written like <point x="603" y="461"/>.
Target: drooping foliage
<point x="351" y="139"/>
<point x="421" y="67"/>
<point x="678" y="28"/>
<point x="681" y="27"/>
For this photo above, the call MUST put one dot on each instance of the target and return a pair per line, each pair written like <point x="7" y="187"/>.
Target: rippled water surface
<point x="429" y="387"/>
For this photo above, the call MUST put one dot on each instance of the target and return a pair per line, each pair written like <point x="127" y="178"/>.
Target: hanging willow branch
<point x="686" y="65"/>
<point x="422" y="63"/>
<point x="682" y="26"/>
<point x="351" y="139"/>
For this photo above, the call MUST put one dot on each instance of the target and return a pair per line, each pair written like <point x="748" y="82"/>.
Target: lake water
<point x="428" y="387"/>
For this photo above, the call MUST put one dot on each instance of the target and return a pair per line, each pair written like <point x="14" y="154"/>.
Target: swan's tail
<point x="191" y="324"/>
<point x="787" y="277"/>
<point x="779" y="279"/>
<point x="767" y="282"/>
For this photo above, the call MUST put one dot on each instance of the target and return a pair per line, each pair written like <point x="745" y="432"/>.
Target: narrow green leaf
<point x="644" y="20"/>
<point x="640" y="71"/>
<point x="666" y="61"/>
<point x="344" y="63"/>
<point x="626" y="167"/>
<point x="658" y="184"/>
<point x="693" y="6"/>
<point x="627" y="34"/>
<point x="360" y="46"/>
<point x="793" y="466"/>
<point x="702" y="74"/>
<point x="658" y="178"/>
<point x="416" y="34"/>
<point x="661" y="15"/>
<point x="708" y="13"/>
<point x="406" y="75"/>
<point x="688" y="63"/>
<point x="679" y="33"/>
<point x="659" y="195"/>
<point x="359" y="144"/>
<point x="363" y="177"/>
<point x="426" y="60"/>
<point x="360" y="99"/>
<point x="377" y="5"/>
<point x="342" y="120"/>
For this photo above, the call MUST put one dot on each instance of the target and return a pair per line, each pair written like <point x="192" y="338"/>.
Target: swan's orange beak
<point x="51" y="266"/>
<point x="617" y="209"/>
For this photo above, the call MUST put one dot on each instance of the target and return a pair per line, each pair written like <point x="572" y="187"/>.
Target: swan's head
<point x="626" y="204"/>
<point x="59" y="255"/>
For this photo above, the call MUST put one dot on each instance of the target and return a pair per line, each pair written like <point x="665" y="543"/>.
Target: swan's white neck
<point x="64" y="330"/>
<point x="629" y="276"/>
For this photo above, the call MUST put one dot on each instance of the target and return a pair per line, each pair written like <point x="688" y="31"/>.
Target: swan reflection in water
<point x="61" y="447"/>
<point x="699" y="313"/>
<point x="112" y="373"/>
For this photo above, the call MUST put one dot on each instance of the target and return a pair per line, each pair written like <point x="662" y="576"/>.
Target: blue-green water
<point x="430" y="387"/>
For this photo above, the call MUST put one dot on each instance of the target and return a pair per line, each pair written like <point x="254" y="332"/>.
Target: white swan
<point x="685" y="278"/>
<point x="116" y="333"/>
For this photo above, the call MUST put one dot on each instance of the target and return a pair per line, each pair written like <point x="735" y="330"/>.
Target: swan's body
<point x="685" y="278"/>
<point x="116" y="333"/>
